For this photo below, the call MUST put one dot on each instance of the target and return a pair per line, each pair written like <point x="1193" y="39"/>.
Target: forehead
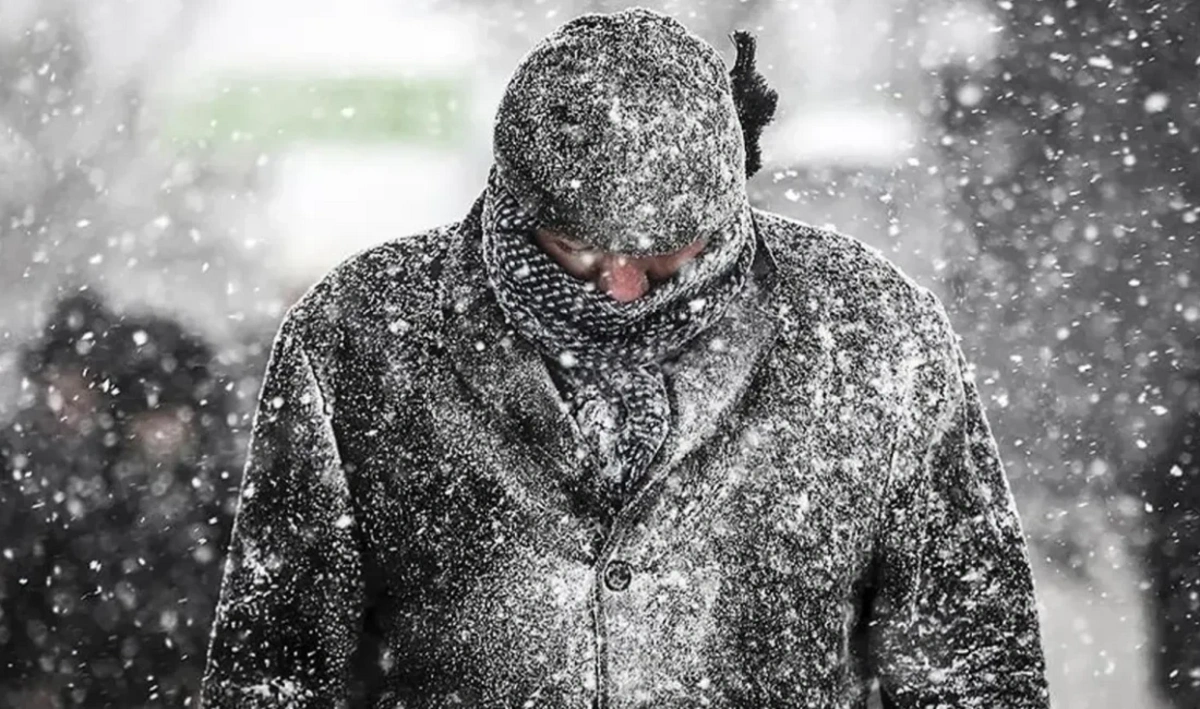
<point x="547" y="233"/>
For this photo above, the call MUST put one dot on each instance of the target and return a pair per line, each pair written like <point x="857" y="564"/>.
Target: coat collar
<point x="510" y="379"/>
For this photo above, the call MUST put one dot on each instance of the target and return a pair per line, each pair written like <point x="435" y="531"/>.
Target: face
<point x="623" y="277"/>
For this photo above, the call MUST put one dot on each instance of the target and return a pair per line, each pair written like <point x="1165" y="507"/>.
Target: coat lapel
<point x="505" y="374"/>
<point x="710" y="379"/>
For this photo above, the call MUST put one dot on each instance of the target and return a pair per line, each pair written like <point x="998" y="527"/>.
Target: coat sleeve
<point x="954" y="619"/>
<point x="291" y="600"/>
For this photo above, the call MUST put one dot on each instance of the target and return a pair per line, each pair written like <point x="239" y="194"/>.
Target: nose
<point x="623" y="279"/>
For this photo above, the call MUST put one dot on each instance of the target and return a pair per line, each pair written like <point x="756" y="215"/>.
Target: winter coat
<point x="828" y="509"/>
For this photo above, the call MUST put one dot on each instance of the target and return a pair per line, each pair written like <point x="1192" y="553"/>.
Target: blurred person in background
<point x="117" y="492"/>
<point x="1172" y="486"/>
<point x="617" y="439"/>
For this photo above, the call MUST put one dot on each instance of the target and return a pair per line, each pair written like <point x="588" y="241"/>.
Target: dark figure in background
<point x="118" y="485"/>
<point x="1173" y="563"/>
<point x="62" y="433"/>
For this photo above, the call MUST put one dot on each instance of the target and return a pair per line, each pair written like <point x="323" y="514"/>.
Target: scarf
<point x="610" y="354"/>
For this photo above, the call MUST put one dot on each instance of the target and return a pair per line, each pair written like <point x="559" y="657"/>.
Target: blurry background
<point x="175" y="173"/>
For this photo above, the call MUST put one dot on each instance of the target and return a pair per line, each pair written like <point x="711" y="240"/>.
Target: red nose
<point x="622" y="280"/>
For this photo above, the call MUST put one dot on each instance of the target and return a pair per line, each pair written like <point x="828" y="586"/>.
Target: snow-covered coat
<point x="829" y="507"/>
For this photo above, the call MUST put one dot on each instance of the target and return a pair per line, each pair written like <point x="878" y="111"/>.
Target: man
<point x="113" y="495"/>
<point x="619" y="440"/>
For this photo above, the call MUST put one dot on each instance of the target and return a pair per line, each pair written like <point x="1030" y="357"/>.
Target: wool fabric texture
<point x="622" y="131"/>
<point x="828" y="514"/>
<point x="833" y="514"/>
<point x="610" y="354"/>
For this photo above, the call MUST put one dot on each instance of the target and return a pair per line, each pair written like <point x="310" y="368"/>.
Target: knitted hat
<point x="621" y="131"/>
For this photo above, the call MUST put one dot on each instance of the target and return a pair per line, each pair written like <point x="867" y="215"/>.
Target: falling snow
<point x="1002" y="292"/>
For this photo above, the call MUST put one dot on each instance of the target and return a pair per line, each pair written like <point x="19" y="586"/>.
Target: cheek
<point x="665" y="267"/>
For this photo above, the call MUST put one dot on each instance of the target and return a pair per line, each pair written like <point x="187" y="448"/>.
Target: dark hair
<point x="163" y="364"/>
<point x="754" y="99"/>
<point x="77" y="335"/>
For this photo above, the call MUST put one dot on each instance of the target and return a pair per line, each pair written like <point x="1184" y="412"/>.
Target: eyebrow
<point x="554" y="235"/>
<point x="572" y="242"/>
<point x="583" y="246"/>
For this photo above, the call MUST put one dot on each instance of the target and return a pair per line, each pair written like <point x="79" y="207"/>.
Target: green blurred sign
<point x="273" y="111"/>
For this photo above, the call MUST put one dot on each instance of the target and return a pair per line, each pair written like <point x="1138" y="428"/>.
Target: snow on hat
<point x="621" y="131"/>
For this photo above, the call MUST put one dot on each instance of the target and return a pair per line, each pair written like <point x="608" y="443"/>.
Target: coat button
<point x="617" y="575"/>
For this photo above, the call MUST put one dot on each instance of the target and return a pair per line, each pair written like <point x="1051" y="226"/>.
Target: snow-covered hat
<point x="622" y="131"/>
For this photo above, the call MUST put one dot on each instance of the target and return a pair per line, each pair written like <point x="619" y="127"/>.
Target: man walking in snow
<point x="618" y="439"/>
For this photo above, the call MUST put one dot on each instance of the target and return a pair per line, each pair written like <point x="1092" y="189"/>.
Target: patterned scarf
<point x="610" y="354"/>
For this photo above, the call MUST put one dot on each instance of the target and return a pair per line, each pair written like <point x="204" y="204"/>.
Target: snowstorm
<point x="582" y="353"/>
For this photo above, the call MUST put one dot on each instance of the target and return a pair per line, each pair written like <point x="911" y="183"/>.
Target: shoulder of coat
<point x="388" y="289"/>
<point x="838" y="280"/>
